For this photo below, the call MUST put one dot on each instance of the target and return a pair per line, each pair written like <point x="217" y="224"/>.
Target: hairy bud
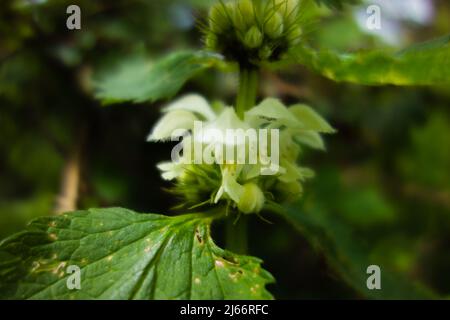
<point x="273" y="25"/>
<point x="253" y="38"/>
<point x="288" y="8"/>
<point x="243" y="15"/>
<point x="218" y="19"/>
<point x="252" y="200"/>
<point x="250" y="32"/>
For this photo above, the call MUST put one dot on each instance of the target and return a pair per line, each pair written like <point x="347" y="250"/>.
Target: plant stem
<point x="236" y="235"/>
<point x="248" y="88"/>
<point x="236" y="232"/>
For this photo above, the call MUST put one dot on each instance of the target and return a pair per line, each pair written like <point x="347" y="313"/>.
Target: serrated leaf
<point x="424" y="64"/>
<point x="125" y="255"/>
<point x="138" y="79"/>
<point x="348" y="255"/>
<point x="174" y="120"/>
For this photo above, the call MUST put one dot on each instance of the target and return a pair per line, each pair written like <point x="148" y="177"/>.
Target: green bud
<point x="243" y="14"/>
<point x="219" y="20"/>
<point x="288" y="8"/>
<point x="294" y="36"/>
<point x="253" y="38"/>
<point x="274" y="26"/>
<point x="252" y="199"/>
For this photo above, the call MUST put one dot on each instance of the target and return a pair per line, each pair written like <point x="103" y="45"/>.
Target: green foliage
<point x="424" y="64"/>
<point x="347" y="254"/>
<point x="366" y="207"/>
<point x="337" y="4"/>
<point x="138" y="79"/>
<point x="125" y="255"/>
<point x="427" y="161"/>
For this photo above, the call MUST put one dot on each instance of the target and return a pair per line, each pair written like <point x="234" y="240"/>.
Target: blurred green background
<point x="385" y="175"/>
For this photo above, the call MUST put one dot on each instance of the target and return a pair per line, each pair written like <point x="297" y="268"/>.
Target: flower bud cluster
<point x="250" y="32"/>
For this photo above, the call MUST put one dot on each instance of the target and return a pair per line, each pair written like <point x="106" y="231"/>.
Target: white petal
<point x="216" y="131"/>
<point x="219" y="194"/>
<point x="170" y="170"/>
<point x="172" y="121"/>
<point x="230" y="186"/>
<point x="272" y="110"/>
<point x="310" y="119"/>
<point x="233" y="189"/>
<point x="193" y="103"/>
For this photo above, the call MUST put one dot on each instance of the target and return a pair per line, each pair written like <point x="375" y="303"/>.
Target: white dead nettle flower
<point x="212" y="176"/>
<point x="181" y="115"/>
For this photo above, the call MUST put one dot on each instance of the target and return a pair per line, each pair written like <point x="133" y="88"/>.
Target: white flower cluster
<point x="241" y="185"/>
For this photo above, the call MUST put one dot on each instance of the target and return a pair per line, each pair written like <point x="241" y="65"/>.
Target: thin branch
<point x="70" y="182"/>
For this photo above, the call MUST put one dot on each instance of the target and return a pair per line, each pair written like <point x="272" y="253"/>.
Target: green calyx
<point x="251" y="32"/>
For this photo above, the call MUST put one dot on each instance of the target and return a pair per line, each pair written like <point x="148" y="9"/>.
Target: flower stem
<point x="236" y="232"/>
<point x="248" y="88"/>
<point x="236" y="235"/>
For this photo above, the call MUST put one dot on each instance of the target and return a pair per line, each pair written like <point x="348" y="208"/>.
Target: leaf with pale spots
<point x="126" y="255"/>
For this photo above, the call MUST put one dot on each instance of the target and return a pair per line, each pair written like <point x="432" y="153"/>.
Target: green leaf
<point x="125" y="255"/>
<point x="423" y="64"/>
<point x="427" y="161"/>
<point x="349" y="255"/>
<point x="139" y="79"/>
